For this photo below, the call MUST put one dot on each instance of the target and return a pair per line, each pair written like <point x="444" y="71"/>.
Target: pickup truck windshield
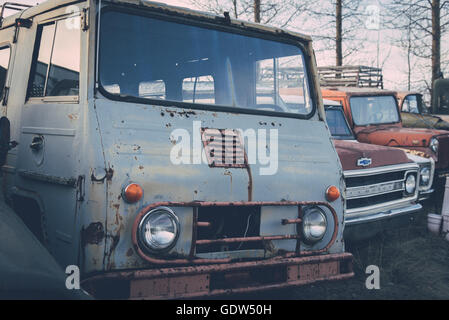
<point x="337" y="124"/>
<point x="371" y="110"/>
<point x="160" y="60"/>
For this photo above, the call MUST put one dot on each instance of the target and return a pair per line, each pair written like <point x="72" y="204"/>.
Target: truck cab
<point x="153" y="151"/>
<point x="383" y="184"/>
<point x="415" y="113"/>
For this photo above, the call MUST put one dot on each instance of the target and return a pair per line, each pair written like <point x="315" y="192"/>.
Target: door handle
<point x="37" y="143"/>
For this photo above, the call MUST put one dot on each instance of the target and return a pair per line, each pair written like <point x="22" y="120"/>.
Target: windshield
<point x="161" y="60"/>
<point x="374" y="110"/>
<point x="337" y="123"/>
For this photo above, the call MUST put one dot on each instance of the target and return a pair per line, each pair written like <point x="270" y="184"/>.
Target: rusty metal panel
<point x="320" y="270"/>
<point x="309" y="271"/>
<point x="170" y="287"/>
<point x="329" y="268"/>
<point x="197" y="281"/>
<point x="292" y="273"/>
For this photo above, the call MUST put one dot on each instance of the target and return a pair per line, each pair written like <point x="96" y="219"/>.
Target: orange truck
<point x="373" y="114"/>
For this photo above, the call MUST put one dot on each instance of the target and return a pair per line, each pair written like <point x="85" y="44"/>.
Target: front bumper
<point x="424" y="195"/>
<point x="364" y="227"/>
<point x="222" y="279"/>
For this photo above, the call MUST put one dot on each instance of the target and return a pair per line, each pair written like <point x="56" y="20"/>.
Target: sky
<point x="391" y="58"/>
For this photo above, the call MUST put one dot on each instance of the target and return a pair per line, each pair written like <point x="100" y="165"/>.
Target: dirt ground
<point x="413" y="263"/>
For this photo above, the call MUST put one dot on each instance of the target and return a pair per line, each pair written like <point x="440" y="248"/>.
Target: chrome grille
<point x="371" y="188"/>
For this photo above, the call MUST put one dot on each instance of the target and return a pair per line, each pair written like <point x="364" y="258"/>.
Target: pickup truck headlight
<point x="158" y="230"/>
<point x="425" y="176"/>
<point x="410" y="184"/>
<point x="314" y="224"/>
<point x="434" y="144"/>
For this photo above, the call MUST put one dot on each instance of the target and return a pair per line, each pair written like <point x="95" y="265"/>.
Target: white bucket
<point x="445" y="228"/>
<point x="434" y="223"/>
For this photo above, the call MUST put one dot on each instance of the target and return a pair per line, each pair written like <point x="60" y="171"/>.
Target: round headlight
<point x="410" y="184"/>
<point x="314" y="224"/>
<point x="434" y="144"/>
<point x="425" y="176"/>
<point x="159" y="230"/>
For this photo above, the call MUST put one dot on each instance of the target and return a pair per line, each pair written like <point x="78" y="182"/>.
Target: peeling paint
<point x="93" y="234"/>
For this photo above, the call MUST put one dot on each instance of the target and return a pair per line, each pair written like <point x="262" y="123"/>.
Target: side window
<point x="410" y="104"/>
<point x="280" y="87"/>
<point x="4" y="64"/>
<point x="56" y="64"/>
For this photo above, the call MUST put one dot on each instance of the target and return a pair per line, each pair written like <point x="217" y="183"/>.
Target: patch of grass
<point x="413" y="263"/>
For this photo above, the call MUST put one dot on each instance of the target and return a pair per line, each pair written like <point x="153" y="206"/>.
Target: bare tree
<point x="338" y="21"/>
<point x="339" y="32"/>
<point x="423" y="24"/>
<point x="275" y="12"/>
<point x="257" y="11"/>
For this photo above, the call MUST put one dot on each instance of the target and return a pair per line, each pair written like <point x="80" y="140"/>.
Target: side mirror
<point x="5" y="137"/>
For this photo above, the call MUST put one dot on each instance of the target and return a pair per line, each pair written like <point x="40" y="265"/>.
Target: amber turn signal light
<point x="132" y="193"/>
<point x="332" y="193"/>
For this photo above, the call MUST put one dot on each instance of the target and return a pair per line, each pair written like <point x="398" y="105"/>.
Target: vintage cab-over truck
<point x="151" y="150"/>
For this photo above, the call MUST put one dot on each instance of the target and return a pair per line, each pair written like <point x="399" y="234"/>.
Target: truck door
<point x="48" y="156"/>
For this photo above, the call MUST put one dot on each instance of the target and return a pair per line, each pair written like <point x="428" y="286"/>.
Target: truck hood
<point x="351" y="151"/>
<point x="140" y="145"/>
<point x="413" y="120"/>
<point x="397" y="136"/>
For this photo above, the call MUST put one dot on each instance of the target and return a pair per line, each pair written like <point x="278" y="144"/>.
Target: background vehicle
<point x="415" y="114"/>
<point x="373" y="115"/>
<point x="382" y="183"/>
<point x="101" y="157"/>
<point x="440" y="100"/>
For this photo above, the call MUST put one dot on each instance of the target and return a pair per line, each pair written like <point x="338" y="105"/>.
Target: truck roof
<point x="52" y="4"/>
<point x="331" y="103"/>
<point x="356" y="91"/>
<point x="403" y="94"/>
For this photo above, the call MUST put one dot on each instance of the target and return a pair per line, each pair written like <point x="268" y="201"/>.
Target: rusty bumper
<point x="221" y="279"/>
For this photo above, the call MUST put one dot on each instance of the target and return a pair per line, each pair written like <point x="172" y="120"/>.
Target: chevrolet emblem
<point x="364" y="162"/>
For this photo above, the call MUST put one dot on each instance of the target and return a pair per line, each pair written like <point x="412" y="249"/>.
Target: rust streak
<point x="291" y="221"/>
<point x="247" y="239"/>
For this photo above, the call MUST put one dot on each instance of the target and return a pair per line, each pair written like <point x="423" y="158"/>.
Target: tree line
<point x="417" y="27"/>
